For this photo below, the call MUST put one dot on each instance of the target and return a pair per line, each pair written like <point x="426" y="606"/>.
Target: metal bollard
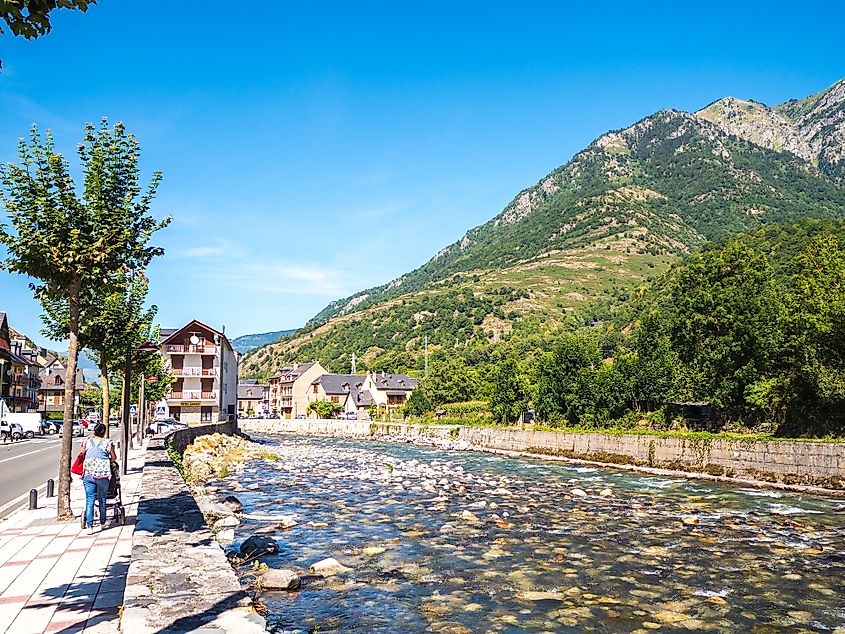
<point x="50" y="488"/>
<point x="33" y="499"/>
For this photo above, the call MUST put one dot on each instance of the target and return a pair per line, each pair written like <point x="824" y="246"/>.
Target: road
<point x="27" y="464"/>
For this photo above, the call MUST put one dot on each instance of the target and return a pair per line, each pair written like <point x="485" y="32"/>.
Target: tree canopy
<point x="74" y="243"/>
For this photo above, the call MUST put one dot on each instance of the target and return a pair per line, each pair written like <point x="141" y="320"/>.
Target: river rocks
<point x="580" y="493"/>
<point x="506" y="545"/>
<point x="328" y="567"/>
<point x="218" y="455"/>
<point x="233" y="503"/>
<point x="229" y="521"/>
<point x="259" y="545"/>
<point x="280" y="580"/>
<point x="690" y="520"/>
<point x="226" y="536"/>
<point x="541" y="596"/>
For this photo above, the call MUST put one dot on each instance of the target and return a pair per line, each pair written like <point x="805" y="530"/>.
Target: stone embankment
<point x="817" y="467"/>
<point x="179" y="579"/>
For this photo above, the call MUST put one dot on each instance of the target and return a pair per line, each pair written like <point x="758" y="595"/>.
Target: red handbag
<point x="76" y="468"/>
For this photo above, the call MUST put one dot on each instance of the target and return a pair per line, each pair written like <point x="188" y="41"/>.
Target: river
<point x="441" y="541"/>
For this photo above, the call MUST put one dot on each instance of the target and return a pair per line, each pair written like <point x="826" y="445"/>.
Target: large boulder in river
<point x="233" y="503"/>
<point x="329" y="567"/>
<point x="259" y="545"/>
<point x="280" y="580"/>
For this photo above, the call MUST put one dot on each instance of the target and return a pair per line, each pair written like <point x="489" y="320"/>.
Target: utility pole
<point x="354" y="367"/>
<point x="426" y="355"/>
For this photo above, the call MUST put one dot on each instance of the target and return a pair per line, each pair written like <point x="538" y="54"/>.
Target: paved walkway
<point x="54" y="577"/>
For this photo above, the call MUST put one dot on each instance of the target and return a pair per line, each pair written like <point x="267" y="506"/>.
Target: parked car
<point x="165" y="426"/>
<point x="76" y="429"/>
<point x="114" y="422"/>
<point x="50" y="426"/>
<point x="10" y="431"/>
<point x="300" y="417"/>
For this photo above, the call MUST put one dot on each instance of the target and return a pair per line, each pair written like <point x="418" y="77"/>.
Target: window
<point x="315" y="389"/>
<point x="335" y="399"/>
<point x="205" y="414"/>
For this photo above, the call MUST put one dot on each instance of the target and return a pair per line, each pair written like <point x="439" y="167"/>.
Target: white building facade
<point x="205" y="367"/>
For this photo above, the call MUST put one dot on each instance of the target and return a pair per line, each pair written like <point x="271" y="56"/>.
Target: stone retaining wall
<point x="179" y="579"/>
<point x="179" y="440"/>
<point x="791" y="463"/>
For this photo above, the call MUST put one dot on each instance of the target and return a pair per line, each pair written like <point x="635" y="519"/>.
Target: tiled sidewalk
<point x="54" y="577"/>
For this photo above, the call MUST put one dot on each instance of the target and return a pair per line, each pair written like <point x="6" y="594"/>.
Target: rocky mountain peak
<point x="759" y="124"/>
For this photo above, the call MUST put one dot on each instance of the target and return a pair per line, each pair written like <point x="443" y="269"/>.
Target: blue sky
<point x="313" y="149"/>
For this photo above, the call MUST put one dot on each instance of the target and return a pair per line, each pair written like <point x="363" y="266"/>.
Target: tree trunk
<point x="63" y="510"/>
<point x="104" y="374"/>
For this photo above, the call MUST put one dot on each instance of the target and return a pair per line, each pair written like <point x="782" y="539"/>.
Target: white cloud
<point x="294" y="279"/>
<point x="199" y="252"/>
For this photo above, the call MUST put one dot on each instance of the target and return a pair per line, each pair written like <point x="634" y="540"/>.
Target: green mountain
<point x="245" y="343"/>
<point x="591" y="231"/>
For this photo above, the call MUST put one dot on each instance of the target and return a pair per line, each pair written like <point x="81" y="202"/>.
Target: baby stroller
<point x="114" y="500"/>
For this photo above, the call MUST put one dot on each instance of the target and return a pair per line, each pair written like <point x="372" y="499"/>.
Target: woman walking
<point x="96" y="472"/>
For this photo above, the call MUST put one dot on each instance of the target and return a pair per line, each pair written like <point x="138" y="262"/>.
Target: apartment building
<point x="25" y="378"/>
<point x="5" y="352"/>
<point x="290" y="389"/>
<point x="205" y="367"/>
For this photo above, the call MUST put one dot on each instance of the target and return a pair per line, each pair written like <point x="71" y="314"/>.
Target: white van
<point x="30" y="423"/>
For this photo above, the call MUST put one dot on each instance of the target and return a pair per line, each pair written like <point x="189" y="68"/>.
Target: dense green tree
<point x="816" y="341"/>
<point x="71" y="243"/>
<point x="325" y="409"/>
<point x="724" y="322"/>
<point x="449" y="380"/>
<point x="563" y="377"/>
<point x="113" y="320"/>
<point x="510" y="391"/>
<point x="655" y="362"/>
<point x="418" y="403"/>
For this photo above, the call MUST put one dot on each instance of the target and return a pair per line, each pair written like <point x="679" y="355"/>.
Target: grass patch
<point x="175" y="457"/>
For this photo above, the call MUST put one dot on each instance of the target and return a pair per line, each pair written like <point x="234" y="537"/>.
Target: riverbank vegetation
<point x="752" y="326"/>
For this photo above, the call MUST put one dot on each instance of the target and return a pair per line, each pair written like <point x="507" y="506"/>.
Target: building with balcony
<point x="290" y="389"/>
<point x="205" y="367"/>
<point x="25" y="378"/>
<point x="51" y="394"/>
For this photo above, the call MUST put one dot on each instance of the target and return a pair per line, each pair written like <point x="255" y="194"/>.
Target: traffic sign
<point x="133" y="409"/>
<point x="160" y="410"/>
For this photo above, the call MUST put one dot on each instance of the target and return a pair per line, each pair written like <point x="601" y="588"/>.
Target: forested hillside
<point x="566" y="251"/>
<point x="754" y="326"/>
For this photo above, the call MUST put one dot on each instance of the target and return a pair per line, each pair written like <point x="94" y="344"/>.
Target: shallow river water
<point x="475" y="542"/>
